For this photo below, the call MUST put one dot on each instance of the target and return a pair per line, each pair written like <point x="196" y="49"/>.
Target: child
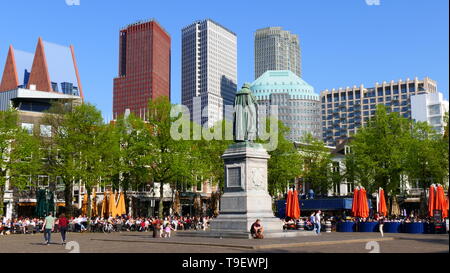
<point x="167" y="230"/>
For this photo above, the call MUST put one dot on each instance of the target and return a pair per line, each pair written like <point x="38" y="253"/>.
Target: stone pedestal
<point x="246" y="196"/>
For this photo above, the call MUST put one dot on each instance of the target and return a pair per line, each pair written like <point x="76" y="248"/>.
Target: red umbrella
<point x="382" y="209"/>
<point x="355" y="201"/>
<point x="441" y="202"/>
<point x="288" y="203"/>
<point x="295" y="211"/>
<point x="431" y="201"/>
<point x="364" y="204"/>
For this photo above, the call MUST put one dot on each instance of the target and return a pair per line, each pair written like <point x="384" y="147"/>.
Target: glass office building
<point x="298" y="105"/>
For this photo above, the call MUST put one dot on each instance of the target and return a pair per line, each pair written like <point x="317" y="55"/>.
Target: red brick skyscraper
<point x="144" y="67"/>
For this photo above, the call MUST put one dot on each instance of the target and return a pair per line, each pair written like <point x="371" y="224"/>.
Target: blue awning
<point x="319" y="204"/>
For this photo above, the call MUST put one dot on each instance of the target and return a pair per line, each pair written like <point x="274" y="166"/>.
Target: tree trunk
<point x="2" y="195"/>
<point x="161" y="204"/>
<point x="88" y="205"/>
<point x="68" y="199"/>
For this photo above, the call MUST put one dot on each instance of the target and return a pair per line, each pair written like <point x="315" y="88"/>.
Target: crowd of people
<point x="163" y="227"/>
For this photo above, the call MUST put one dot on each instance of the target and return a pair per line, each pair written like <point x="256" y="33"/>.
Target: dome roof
<point x="283" y="81"/>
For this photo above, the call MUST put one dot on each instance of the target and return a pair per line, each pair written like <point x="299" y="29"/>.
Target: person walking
<point x="48" y="227"/>
<point x="312" y="220"/>
<point x="63" y="224"/>
<point x="317" y="222"/>
<point x="381" y="224"/>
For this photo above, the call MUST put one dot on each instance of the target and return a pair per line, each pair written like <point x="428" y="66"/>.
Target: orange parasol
<point x="112" y="204"/>
<point x="355" y="201"/>
<point x="289" y="203"/>
<point x="431" y="201"/>
<point x="382" y="209"/>
<point x="295" y="206"/>
<point x="104" y="206"/>
<point x="364" y="204"/>
<point x="441" y="203"/>
<point x="84" y="204"/>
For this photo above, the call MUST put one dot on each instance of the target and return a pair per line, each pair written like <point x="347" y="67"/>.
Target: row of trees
<point x="131" y="153"/>
<point x="392" y="150"/>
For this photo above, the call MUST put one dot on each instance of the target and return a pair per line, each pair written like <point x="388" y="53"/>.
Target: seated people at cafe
<point x="257" y="230"/>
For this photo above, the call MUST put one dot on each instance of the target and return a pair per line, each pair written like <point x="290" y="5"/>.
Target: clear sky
<point x="343" y="42"/>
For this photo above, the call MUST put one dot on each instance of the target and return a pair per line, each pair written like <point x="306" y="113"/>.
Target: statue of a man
<point x="245" y="116"/>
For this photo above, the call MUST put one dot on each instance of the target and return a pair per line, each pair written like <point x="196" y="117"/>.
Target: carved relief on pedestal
<point x="258" y="179"/>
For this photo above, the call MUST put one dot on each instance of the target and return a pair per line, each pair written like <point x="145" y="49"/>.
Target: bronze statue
<point x="245" y="116"/>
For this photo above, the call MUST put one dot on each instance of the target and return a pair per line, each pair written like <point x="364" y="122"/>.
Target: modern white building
<point x="430" y="107"/>
<point x="276" y="49"/>
<point x="209" y="69"/>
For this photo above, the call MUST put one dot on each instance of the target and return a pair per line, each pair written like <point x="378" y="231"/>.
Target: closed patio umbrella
<point x="288" y="211"/>
<point x="364" y="204"/>
<point x="382" y="208"/>
<point x="440" y="200"/>
<point x="295" y="205"/>
<point x="355" y="201"/>
<point x="84" y="204"/>
<point x="431" y="201"/>
<point x="104" y="205"/>
<point x="121" y="204"/>
<point x="112" y="204"/>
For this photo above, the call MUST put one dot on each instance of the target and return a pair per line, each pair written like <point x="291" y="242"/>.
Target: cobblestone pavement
<point x="134" y="242"/>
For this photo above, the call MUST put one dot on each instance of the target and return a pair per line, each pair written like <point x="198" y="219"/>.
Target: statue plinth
<point x="246" y="197"/>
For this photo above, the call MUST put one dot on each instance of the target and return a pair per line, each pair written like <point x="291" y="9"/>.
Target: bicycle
<point x="108" y="228"/>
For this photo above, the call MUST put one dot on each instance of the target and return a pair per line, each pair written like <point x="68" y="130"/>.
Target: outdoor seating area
<point x="97" y="224"/>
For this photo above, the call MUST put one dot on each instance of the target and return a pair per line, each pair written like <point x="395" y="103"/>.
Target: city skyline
<point x="332" y="55"/>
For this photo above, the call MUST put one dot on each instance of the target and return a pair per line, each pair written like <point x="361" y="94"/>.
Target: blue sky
<point x="343" y="42"/>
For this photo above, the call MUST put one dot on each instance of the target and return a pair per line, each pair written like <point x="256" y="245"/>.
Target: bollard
<point x="328" y="226"/>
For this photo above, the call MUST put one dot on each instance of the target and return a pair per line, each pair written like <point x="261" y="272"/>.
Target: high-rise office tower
<point x="346" y="110"/>
<point x="144" y="67"/>
<point x="209" y="69"/>
<point x="276" y="49"/>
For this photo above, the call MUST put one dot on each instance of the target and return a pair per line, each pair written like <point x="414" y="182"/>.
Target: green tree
<point x="82" y="148"/>
<point x="168" y="160"/>
<point x="285" y="162"/>
<point x="317" y="164"/>
<point x="20" y="154"/>
<point x="379" y="151"/>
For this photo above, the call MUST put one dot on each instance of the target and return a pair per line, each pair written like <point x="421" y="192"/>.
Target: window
<point x="46" y="130"/>
<point x="28" y="127"/>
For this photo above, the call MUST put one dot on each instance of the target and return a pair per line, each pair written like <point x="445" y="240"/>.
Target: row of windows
<point x="45" y="130"/>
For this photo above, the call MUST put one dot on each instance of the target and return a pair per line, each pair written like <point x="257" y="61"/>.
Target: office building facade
<point x="298" y="104"/>
<point x="346" y="110"/>
<point x="144" y="67"/>
<point x="276" y="49"/>
<point x="209" y="70"/>
<point x="430" y="108"/>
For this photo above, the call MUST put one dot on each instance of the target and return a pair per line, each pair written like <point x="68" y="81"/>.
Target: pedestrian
<point x="317" y="222"/>
<point x="48" y="227"/>
<point x="167" y="230"/>
<point x="312" y="220"/>
<point x="156" y="226"/>
<point x="381" y="224"/>
<point x="62" y="224"/>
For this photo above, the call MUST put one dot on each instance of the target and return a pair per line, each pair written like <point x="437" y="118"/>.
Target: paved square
<point x="142" y="242"/>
